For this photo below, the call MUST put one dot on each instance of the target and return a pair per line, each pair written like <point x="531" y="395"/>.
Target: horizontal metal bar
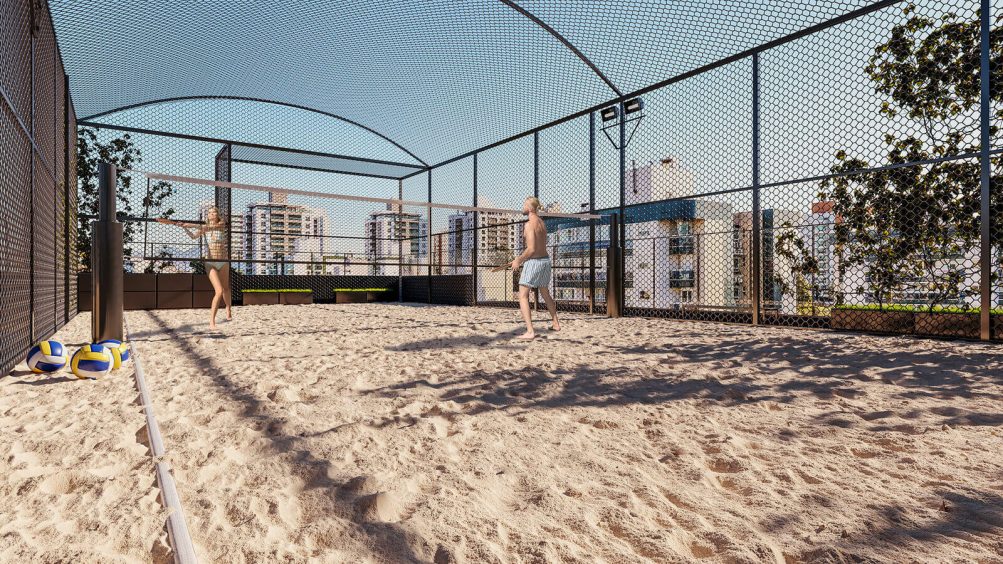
<point x="315" y="169"/>
<point x="141" y="130"/>
<point x="390" y="201"/>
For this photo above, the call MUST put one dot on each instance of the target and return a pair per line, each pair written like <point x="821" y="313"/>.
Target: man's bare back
<point x="535" y="235"/>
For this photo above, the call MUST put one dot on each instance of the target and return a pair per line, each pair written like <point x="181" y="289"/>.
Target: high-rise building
<point x="395" y="237"/>
<point x="498" y="238"/>
<point x="274" y="228"/>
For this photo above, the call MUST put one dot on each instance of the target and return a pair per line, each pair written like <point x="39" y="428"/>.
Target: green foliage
<point x="914" y="309"/>
<point x="123" y="153"/>
<point x="802" y="261"/>
<point x="907" y="224"/>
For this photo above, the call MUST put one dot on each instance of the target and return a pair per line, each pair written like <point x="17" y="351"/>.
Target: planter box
<point x="874" y="321"/>
<point x="141" y="282"/>
<point x="261" y="298"/>
<point x="967" y="325"/>
<point x="351" y="297"/>
<point x="174" y="283"/>
<point x="201" y="283"/>
<point x="174" y="300"/>
<point x="140" y="300"/>
<point x="203" y="299"/>
<point x="295" y="298"/>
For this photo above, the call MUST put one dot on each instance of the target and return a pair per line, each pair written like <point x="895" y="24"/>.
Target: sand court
<point x="372" y="433"/>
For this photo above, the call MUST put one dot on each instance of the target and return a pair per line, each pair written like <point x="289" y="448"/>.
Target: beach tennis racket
<point x="501" y="267"/>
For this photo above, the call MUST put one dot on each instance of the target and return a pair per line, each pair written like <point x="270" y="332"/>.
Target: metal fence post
<point x="106" y="261"/>
<point x="757" y="220"/>
<point x="986" y="255"/>
<point x="474" y="238"/>
<point x="592" y="209"/>
<point x="66" y="199"/>
<point x="430" y="250"/>
<point x="622" y="219"/>
<point x="400" y="242"/>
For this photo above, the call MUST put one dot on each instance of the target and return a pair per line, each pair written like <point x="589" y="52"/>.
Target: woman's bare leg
<point x="225" y="280"/>
<point x="218" y="287"/>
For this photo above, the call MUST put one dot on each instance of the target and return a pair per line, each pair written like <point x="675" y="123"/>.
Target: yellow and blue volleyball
<point x="47" y="357"/>
<point x="92" y="361"/>
<point x="119" y="351"/>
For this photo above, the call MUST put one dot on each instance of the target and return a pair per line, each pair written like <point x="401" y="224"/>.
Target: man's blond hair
<point x="534" y="203"/>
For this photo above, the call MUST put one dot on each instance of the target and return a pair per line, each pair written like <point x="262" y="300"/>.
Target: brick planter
<point x="874" y="321"/>
<point x="295" y="298"/>
<point x="261" y="298"/>
<point x="967" y="325"/>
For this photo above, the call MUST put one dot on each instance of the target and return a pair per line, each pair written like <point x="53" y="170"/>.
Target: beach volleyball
<point x="92" y="361"/>
<point x="47" y="357"/>
<point x="119" y="351"/>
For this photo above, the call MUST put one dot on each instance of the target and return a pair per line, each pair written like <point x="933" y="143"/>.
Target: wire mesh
<point x="34" y="143"/>
<point x="828" y="180"/>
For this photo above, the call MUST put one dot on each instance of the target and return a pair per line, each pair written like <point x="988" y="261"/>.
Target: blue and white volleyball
<point x="92" y="361"/>
<point x="119" y="351"/>
<point x="47" y="357"/>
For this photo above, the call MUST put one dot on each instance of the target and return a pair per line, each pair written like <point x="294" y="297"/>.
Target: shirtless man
<point x="535" y="265"/>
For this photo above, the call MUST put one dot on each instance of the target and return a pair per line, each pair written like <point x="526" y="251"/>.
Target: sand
<point x="390" y="433"/>
<point x="76" y="479"/>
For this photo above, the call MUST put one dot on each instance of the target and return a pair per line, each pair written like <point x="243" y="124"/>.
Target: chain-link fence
<point x="37" y="204"/>
<point x="826" y="170"/>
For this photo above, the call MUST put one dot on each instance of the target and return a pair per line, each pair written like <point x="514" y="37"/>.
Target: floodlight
<point x="633" y="106"/>
<point x="609" y="114"/>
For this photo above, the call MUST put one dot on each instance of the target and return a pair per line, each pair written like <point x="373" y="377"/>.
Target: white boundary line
<point x="177" y="527"/>
<point x="258" y="188"/>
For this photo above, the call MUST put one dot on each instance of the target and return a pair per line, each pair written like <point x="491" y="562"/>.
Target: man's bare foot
<point x="555" y="326"/>
<point x="527" y="336"/>
<point x="212" y="326"/>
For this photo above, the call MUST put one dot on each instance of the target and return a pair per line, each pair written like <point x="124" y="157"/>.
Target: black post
<point x="106" y="261"/>
<point x="986" y="254"/>
<point x="757" y="251"/>
<point x="429" y="228"/>
<point x="592" y="209"/>
<point x="67" y="264"/>
<point x="536" y="164"/>
<point x="473" y="250"/>
<point x="400" y="242"/>
<point x="614" y="272"/>
<point x="621" y="220"/>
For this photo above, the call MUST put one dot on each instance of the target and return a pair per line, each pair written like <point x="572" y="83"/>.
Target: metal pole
<point x="986" y="255"/>
<point x="400" y="243"/>
<point x="536" y="194"/>
<point x="757" y="252"/>
<point x="622" y="220"/>
<point x="473" y="250"/>
<point x="106" y="261"/>
<point x="536" y="164"/>
<point x="614" y="276"/>
<point x="66" y="198"/>
<point x="592" y="209"/>
<point x="429" y="229"/>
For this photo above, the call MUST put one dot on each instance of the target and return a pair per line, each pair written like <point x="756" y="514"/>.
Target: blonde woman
<point x="217" y="264"/>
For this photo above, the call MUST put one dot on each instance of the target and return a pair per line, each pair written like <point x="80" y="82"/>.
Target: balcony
<point x="681" y="245"/>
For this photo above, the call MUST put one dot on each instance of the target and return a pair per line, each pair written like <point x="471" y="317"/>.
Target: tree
<point x="123" y="153"/>
<point x="803" y="263"/>
<point x="906" y="226"/>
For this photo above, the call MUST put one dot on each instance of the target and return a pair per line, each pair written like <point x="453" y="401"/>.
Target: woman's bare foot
<point x="555" y="326"/>
<point x="527" y="336"/>
<point x="212" y="325"/>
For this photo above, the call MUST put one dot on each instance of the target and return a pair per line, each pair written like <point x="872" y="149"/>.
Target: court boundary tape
<point x="177" y="527"/>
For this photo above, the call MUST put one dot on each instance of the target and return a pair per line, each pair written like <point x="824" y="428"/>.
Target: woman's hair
<point x="534" y="203"/>
<point x="219" y="216"/>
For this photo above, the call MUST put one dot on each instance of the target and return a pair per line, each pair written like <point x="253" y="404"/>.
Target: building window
<point x="686" y="296"/>
<point x="644" y="295"/>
